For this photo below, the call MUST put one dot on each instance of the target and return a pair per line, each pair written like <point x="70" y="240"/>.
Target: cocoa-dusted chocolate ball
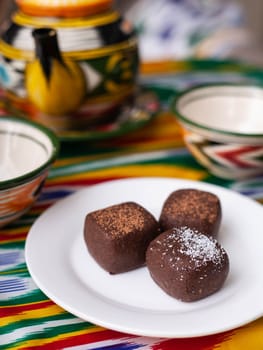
<point x="196" y="209"/>
<point x="117" y="236"/>
<point x="186" y="264"/>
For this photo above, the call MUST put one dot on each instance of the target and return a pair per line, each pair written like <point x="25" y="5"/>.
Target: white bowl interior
<point x="23" y="149"/>
<point x="237" y="109"/>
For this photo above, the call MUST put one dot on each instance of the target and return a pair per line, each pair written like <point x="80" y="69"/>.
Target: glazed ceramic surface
<point x="26" y="152"/>
<point x="94" y="75"/>
<point x="63" y="8"/>
<point x="223" y="128"/>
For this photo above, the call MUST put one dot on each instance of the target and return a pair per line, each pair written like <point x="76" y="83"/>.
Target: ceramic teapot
<point x="64" y="71"/>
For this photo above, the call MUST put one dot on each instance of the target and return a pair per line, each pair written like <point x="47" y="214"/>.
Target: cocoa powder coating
<point x="196" y="209"/>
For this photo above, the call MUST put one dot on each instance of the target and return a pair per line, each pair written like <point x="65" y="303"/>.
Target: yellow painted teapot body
<point x="61" y="83"/>
<point x="68" y="73"/>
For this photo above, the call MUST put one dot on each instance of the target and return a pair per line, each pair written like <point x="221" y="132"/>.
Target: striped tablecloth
<point x="28" y="319"/>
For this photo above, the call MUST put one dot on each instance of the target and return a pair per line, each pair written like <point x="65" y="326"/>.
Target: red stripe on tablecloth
<point x="79" y="340"/>
<point x="199" y="343"/>
<point x="15" y="237"/>
<point x="17" y="309"/>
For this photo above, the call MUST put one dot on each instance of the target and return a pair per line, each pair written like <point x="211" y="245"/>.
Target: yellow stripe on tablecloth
<point x="136" y="171"/>
<point x="244" y="338"/>
<point x="14" y="234"/>
<point x="165" y="66"/>
<point x="12" y="240"/>
<point x="14" y="230"/>
<point x="31" y="314"/>
<point x="30" y="343"/>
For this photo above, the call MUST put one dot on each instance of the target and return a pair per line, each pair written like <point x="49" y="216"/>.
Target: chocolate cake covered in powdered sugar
<point x="187" y="264"/>
<point x="117" y="236"/>
<point x="196" y="209"/>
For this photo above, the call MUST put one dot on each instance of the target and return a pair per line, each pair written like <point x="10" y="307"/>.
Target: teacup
<point x="222" y="126"/>
<point x="27" y="151"/>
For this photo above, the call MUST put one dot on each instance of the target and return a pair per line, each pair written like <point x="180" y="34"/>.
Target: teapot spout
<point x="55" y="85"/>
<point x="46" y="48"/>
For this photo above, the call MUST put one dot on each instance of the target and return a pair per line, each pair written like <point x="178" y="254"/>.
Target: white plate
<point x="131" y="302"/>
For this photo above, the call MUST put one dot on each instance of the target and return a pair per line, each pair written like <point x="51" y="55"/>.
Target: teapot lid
<point x="64" y="8"/>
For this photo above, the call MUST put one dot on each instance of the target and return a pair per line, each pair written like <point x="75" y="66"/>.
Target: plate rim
<point x="109" y="324"/>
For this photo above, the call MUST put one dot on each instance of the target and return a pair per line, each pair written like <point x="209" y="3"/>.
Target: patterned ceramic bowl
<point x="27" y="150"/>
<point x="222" y="126"/>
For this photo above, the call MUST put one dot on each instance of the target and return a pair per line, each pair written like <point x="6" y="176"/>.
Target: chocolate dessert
<point x="186" y="264"/>
<point x="117" y="236"/>
<point x="198" y="210"/>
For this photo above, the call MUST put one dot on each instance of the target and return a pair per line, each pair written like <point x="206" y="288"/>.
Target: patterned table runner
<point x="28" y="319"/>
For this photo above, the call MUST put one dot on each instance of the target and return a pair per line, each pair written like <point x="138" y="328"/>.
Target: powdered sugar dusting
<point x="198" y="247"/>
<point x="185" y="242"/>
